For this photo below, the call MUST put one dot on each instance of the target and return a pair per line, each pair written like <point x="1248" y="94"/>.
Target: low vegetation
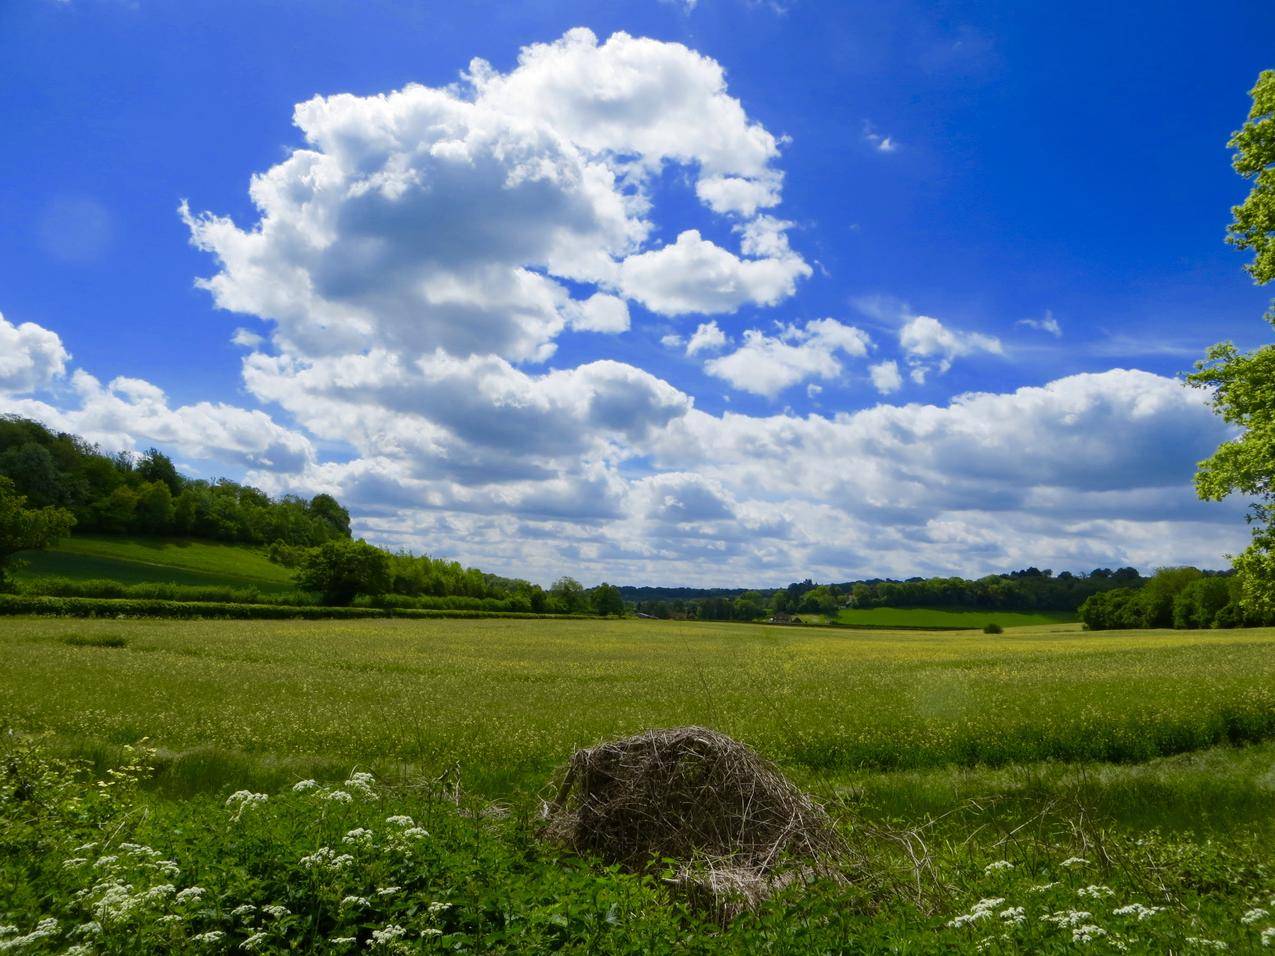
<point x="374" y="786"/>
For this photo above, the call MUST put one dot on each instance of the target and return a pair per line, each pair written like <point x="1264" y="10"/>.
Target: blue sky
<point x="937" y="200"/>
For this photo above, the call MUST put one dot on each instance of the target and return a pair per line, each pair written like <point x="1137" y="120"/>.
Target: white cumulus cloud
<point x="31" y="357"/>
<point x="932" y="346"/>
<point x="766" y="365"/>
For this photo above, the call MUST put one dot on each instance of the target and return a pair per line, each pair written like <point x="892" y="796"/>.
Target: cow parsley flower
<point x="354" y="901"/>
<point x="1215" y="944"/>
<point x="244" y="797"/>
<point x="361" y="783"/>
<point x="436" y="907"/>
<point x="400" y="821"/>
<point x="243" y="911"/>
<point x="1015" y="915"/>
<point x="1075" y="861"/>
<point x="160" y="892"/>
<point x="301" y="786"/>
<point x="1042" y="887"/>
<point x="360" y="836"/>
<point x="1138" y="910"/>
<point x="1253" y="915"/>
<point x="998" y="865"/>
<point x="383" y="937"/>
<point x="1268" y="936"/>
<point x="276" y="910"/>
<point x="339" y="796"/>
<point x="254" y="941"/>
<point x="388" y="890"/>
<point x="1087" y="933"/>
<point x="1066" y="918"/>
<point x="212" y="936"/>
<point x="1096" y="892"/>
<point x="190" y="893"/>
<point x="979" y="911"/>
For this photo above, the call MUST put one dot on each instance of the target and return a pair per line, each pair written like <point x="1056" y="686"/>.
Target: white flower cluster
<point x="326" y="858"/>
<point x="1268" y="936"/>
<point x="979" y="911"/>
<point x="1066" y="918"/>
<point x="361" y="783"/>
<point x="339" y="796"/>
<point x="400" y="821"/>
<point x="1087" y="933"/>
<point x="301" y="786"/>
<point x="360" y="836"/>
<point x="1015" y="915"/>
<point x="242" y="797"/>
<point x="43" y="930"/>
<point x="998" y="865"/>
<point x="1096" y="892"/>
<point x="1214" y="944"/>
<point x="1075" y="861"/>
<point x="1138" y="910"/>
<point x="386" y="936"/>
<point x="1253" y="915"/>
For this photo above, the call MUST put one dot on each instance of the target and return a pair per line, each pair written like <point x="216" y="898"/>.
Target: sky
<point x="718" y="293"/>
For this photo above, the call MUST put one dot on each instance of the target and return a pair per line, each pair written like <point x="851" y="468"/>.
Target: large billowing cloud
<point x="31" y="357"/>
<point x="766" y="365"/>
<point x="456" y="218"/>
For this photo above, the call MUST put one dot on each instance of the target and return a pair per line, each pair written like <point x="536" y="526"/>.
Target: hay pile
<point x="739" y="828"/>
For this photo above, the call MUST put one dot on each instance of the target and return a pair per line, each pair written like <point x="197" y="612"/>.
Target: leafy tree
<point x="25" y="529"/>
<point x="567" y="596"/>
<point x="1240" y="382"/>
<point x="606" y="600"/>
<point x="340" y="570"/>
<point x="156" y="466"/>
<point x="154" y="512"/>
<point x="326" y="508"/>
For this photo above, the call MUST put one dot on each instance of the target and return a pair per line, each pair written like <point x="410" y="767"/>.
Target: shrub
<point x="993" y="628"/>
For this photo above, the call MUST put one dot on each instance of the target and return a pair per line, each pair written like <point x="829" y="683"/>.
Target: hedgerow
<point x="138" y="607"/>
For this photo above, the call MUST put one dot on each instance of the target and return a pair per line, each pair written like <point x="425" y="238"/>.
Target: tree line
<point x="131" y="494"/>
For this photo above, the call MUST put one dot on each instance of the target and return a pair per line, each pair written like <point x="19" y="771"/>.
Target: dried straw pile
<point x="739" y="828"/>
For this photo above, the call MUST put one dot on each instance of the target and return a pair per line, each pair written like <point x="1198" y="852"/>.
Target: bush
<point x="339" y="570"/>
<point x="993" y="628"/>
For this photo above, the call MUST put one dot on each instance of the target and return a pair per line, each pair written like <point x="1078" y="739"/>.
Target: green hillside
<point x="133" y="560"/>
<point x="947" y="617"/>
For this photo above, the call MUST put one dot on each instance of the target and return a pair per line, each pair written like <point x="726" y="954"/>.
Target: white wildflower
<point x="339" y="796"/>
<point x="84" y="848"/>
<point x="241" y="797"/>
<point x="74" y="862"/>
<point x="166" y="868"/>
<point x="138" y="850"/>
<point x="1015" y="915"/>
<point x="276" y="910"/>
<point x="386" y="936"/>
<point x="1096" y="892"/>
<point x="1253" y="915"/>
<point x="979" y="911"/>
<point x="105" y="861"/>
<point x="79" y="949"/>
<point x="190" y="893"/>
<point x="1087" y="933"/>
<point x="416" y="833"/>
<point x="361" y="783"/>
<point x="162" y="891"/>
<point x="360" y="836"/>
<point x="1042" y="887"/>
<point x="1216" y="944"/>
<point x="43" y="930"/>
<point x="343" y="940"/>
<point x="301" y="786"/>
<point x="255" y="940"/>
<point x="998" y="865"/>
<point x="436" y="907"/>
<point x="169" y="919"/>
<point x="1066" y="918"/>
<point x="359" y="901"/>
<point x="1138" y="910"/>
<point x="91" y="928"/>
<point x="212" y="936"/>
<point x="1268" y="936"/>
<point x="243" y="911"/>
<point x="399" y="821"/>
<point x="388" y="890"/>
<point x="327" y="858"/>
<point x="431" y="931"/>
<point x="114" y="900"/>
<point x="1075" y="861"/>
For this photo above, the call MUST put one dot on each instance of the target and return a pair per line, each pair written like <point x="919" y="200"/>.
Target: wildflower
<point x="416" y="833"/>
<point x="1087" y="933"/>
<point x="1042" y="887"/>
<point x="244" y="911"/>
<point x="383" y="937"/>
<point x="74" y="862"/>
<point x="343" y="940"/>
<point x="326" y="857"/>
<point x="301" y="786"/>
<point x="1253" y="915"/>
<point x="1015" y="915"/>
<point x="339" y="796"/>
<point x="998" y="865"/>
<point x="168" y="920"/>
<point x="399" y="821"/>
<point x="79" y="949"/>
<point x="212" y="936"/>
<point x="979" y="911"/>
<point x="190" y="893"/>
<point x="1066" y="918"/>
<point x="276" y="910"/>
<point x="114" y="902"/>
<point x="435" y="908"/>
<point x="91" y="928"/>
<point x="84" y="848"/>
<point x="1075" y="861"/>
<point x="388" y="890"/>
<point x="244" y="797"/>
<point x="359" y="901"/>
<point x="138" y="850"/>
<point x="8" y="930"/>
<point x="360" y="836"/>
<point x="361" y="783"/>
<point x="1095" y="892"/>
<point x="105" y="861"/>
<point x="255" y="940"/>
<point x="1207" y="943"/>
<point x="166" y="868"/>
<point x="431" y="931"/>
<point x="43" y="930"/>
<point x="161" y="891"/>
<point x="1138" y="910"/>
<point x="1268" y="936"/>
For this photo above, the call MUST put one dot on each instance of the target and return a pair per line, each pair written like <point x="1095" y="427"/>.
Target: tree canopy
<point x="25" y="529"/>
<point x="1242" y="384"/>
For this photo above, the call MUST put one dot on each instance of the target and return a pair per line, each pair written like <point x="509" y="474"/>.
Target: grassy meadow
<point x="925" y="617"/>
<point x="1034" y="791"/>
<point x="141" y="560"/>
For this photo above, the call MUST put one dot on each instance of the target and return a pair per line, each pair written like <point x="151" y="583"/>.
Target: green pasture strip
<point x="226" y="610"/>
<point x="508" y="700"/>
<point x="166" y="560"/>
<point x="947" y="618"/>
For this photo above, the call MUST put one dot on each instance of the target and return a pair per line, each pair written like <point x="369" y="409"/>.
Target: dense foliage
<point x="1174" y="597"/>
<point x="1240" y="383"/>
<point x="23" y="528"/>
<point x="124" y="494"/>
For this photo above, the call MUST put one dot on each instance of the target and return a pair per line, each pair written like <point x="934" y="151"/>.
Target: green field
<point x="1149" y="756"/>
<point x="134" y="560"/>
<point x="947" y="617"/>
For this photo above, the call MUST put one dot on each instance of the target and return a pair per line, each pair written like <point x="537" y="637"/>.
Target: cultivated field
<point x="947" y="617"/>
<point x="1097" y="789"/>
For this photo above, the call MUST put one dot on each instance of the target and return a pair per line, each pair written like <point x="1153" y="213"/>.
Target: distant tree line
<point x="129" y="494"/>
<point x="1175" y="597"/>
